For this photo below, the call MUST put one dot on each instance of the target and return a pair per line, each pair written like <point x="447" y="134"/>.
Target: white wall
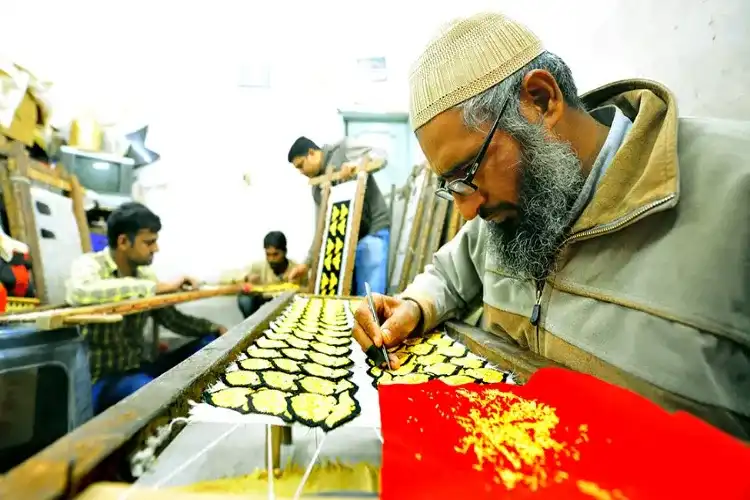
<point x="176" y="66"/>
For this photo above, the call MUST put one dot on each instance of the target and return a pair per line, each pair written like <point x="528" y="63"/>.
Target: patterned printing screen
<point x="334" y="248"/>
<point x="298" y="371"/>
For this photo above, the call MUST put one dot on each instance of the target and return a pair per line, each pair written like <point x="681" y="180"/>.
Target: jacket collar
<point x="644" y="175"/>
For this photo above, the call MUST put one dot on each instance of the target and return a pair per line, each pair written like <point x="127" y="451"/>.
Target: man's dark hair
<point x="275" y="239"/>
<point x="128" y="219"/>
<point x="300" y="148"/>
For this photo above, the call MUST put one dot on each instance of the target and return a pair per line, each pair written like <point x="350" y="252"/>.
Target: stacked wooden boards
<point x="421" y="223"/>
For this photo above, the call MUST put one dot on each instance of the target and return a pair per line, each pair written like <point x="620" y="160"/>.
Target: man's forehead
<point x="447" y="143"/>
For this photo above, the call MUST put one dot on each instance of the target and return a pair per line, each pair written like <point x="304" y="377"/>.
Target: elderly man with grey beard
<point x="605" y="232"/>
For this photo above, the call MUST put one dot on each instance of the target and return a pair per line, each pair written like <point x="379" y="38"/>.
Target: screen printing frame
<point x="100" y="449"/>
<point x="336" y="194"/>
<point x="409" y="232"/>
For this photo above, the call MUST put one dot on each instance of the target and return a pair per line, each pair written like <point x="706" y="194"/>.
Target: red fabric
<point x="3" y="299"/>
<point x="23" y="277"/>
<point x="629" y="447"/>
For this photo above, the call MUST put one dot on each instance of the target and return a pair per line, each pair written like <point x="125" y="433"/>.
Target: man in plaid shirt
<point x="121" y="272"/>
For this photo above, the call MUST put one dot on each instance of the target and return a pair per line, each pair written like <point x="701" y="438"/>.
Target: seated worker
<point x="274" y="269"/>
<point x="121" y="272"/>
<point x="371" y="260"/>
<point x="605" y="232"/>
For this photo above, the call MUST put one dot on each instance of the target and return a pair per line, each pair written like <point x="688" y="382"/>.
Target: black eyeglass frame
<point x="465" y="186"/>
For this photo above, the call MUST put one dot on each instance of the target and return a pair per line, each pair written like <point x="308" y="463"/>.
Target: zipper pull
<point x="536" y="312"/>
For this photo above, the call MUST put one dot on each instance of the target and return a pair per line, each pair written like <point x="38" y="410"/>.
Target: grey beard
<point x="551" y="181"/>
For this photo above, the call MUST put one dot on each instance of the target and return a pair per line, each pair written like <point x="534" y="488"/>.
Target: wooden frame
<point x="368" y="167"/>
<point x="408" y="233"/>
<point x="396" y="229"/>
<point x="435" y="234"/>
<point x="17" y="172"/>
<point x="329" y="210"/>
<point x="424" y="228"/>
<point x="99" y="450"/>
<point x="454" y="223"/>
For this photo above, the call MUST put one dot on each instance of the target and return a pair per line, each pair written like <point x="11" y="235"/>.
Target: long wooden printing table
<point x="99" y="451"/>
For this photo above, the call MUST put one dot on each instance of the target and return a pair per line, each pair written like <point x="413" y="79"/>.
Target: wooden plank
<point x="100" y="447"/>
<point x="454" y="224"/>
<point x="357" y="206"/>
<point x="319" y="229"/>
<point x="407" y="235"/>
<point x="396" y="237"/>
<point x="125" y="306"/>
<point x="45" y="175"/>
<point x="410" y="256"/>
<point x="17" y="230"/>
<point x="76" y="195"/>
<point x="18" y="167"/>
<point x="436" y="232"/>
<point x="369" y="167"/>
<point x="503" y="352"/>
<point x="425" y="228"/>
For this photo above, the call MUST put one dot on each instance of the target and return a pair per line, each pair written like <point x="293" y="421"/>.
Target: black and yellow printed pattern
<point x="334" y="248"/>
<point x="298" y="370"/>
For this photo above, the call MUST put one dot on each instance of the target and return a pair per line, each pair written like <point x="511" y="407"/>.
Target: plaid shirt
<point x="118" y="347"/>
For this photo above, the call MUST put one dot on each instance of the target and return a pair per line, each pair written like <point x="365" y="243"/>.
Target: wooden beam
<point x="502" y="351"/>
<point x="357" y="207"/>
<point x="325" y="194"/>
<point x="369" y="167"/>
<point x="125" y="307"/>
<point x="18" y="167"/>
<point x="79" y="212"/>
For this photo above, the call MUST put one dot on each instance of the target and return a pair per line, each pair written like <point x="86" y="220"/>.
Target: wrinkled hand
<point x="297" y="272"/>
<point x="399" y="318"/>
<point x="247" y="288"/>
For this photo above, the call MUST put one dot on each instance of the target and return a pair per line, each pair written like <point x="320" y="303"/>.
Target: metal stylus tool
<point x="371" y="303"/>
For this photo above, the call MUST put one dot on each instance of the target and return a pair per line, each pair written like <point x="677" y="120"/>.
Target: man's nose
<point x="469" y="205"/>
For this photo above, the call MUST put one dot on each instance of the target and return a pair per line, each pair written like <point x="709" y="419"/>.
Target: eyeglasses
<point x="465" y="186"/>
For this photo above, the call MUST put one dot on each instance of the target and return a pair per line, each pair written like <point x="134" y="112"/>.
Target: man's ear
<point x="542" y="97"/>
<point x="122" y="240"/>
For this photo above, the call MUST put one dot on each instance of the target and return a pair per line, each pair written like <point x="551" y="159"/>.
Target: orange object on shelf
<point x="3" y="299"/>
<point x="562" y="435"/>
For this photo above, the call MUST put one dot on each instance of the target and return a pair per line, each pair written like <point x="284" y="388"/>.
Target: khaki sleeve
<point x="454" y="278"/>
